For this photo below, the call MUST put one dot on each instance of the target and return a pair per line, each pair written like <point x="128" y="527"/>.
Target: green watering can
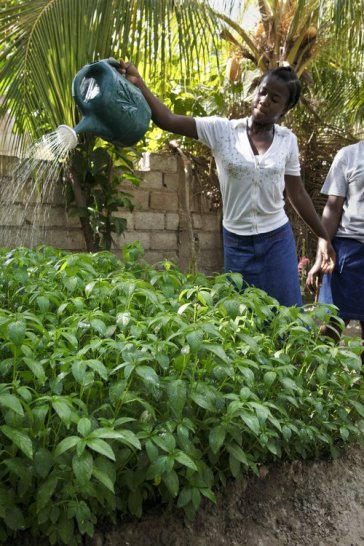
<point x="113" y="108"/>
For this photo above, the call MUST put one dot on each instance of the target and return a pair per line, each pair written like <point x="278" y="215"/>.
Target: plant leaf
<point x="12" y="402"/>
<point x="16" y="332"/>
<point x="100" y="446"/>
<point x="20" y="439"/>
<point x="104" y="479"/>
<point x="66" y="444"/>
<point x="172" y="482"/>
<point x="184" y="459"/>
<point x="147" y="374"/>
<point x="83" y="467"/>
<point x="177" y="395"/>
<point x="217" y="438"/>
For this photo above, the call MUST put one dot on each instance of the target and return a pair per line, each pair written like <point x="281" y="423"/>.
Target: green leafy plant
<point x="122" y="384"/>
<point x="95" y="175"/>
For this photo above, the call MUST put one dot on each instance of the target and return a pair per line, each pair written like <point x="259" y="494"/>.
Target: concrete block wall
<point x="30" y="216"/>
<point x="171" y="217"/>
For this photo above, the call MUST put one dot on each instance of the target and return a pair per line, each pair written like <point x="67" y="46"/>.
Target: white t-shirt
<point x="346" y="179"/>
<point x="251" y="186"/>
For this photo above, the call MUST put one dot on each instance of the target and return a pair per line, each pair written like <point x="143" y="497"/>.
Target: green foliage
<point x="122" y="384"/>
<point x="190" y="98"/>
<point x="98" y="170"/>
<point x="44" y="43"/>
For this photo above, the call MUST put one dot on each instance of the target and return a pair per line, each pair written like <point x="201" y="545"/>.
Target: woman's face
<point x="270" y="101"/>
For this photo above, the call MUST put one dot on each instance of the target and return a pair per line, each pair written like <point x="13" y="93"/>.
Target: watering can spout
<point x="67" y="136"/>
<point x="84" y="126"/>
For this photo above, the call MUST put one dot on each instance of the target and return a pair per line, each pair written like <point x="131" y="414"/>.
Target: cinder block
<point x="209" y="240"/>
<point x="56" y="196"/>
<point x="127" y="185"/>
<point x="11" y="215"/>
<point x="197" y="220"/>
<point x="164" y="162"/>
<point x="72" y="221"/>
<point x="152" y="180"/>
<point x="163" y="200"/>
<point x="172" y="221"/>
<point x="37" y="217"/>
<point x="5" y="183"/>
<point x="140" y="199"/>
<point x="206" y="222"/>
<point x="11" y="237"/>
<point x="171" y="181"/>
<point x="129" y="217"/>
<point x="149" y="220"/>
<point x="211" y="261"/>
<point x="67" y="239"/>
<point x="24" y="192"/>
<point x="195" y="202"/>
<point x="8" y="164"/>
<point x="45" y="216"/>
<point x="163" y="240"/>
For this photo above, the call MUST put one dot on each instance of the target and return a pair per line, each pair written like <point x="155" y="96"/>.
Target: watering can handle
<point x="113" y="62"/>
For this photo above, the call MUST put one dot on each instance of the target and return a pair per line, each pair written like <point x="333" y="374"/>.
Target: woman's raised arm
<point x="161" y="115"/>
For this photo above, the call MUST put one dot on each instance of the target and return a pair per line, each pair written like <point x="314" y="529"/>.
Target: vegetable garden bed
<point x="123" y="385"/>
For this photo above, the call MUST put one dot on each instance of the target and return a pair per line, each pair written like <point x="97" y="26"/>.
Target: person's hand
<point x="314" y="277"/>
<point x="328" y="256"/>
<point x="131" y="72"/>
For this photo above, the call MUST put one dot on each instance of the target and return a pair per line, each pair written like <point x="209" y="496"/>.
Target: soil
<point x="302" y="503"/>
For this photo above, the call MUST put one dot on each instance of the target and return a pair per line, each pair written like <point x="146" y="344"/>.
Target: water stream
<point x="26" y="199"/>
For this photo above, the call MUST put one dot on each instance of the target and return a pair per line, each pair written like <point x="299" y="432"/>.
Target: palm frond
<point x="43" y="44"/>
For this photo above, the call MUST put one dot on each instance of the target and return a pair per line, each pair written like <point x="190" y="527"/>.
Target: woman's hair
<point x="289" y="76"/>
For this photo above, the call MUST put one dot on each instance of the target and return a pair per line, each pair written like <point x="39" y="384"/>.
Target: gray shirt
<point x="346" y="179"/>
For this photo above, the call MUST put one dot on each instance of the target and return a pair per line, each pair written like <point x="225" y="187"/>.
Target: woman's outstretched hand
<point x="131" y="72"/>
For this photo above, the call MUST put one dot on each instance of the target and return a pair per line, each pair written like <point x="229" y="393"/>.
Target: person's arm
<point x="301" y="202"/>
<point x="161" y="115"/>
<point x="331" y="217"/>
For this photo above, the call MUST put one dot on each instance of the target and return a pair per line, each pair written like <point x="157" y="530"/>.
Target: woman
<point x="257" y="160"/>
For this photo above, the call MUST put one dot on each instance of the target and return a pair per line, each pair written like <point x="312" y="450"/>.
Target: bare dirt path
<point x="310" y="503"/>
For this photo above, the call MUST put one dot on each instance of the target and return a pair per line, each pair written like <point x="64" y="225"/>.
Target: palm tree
<point x="43" y="44"/>
<point x="323" y="40"/>
<point x="323" y="36"/>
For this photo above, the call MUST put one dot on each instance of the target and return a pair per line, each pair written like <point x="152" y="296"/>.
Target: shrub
<point x="123" y="384"/>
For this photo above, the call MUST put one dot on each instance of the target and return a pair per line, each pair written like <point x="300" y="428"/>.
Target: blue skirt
<point x="345" y="286"/>
<point x="267" y="261"/>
